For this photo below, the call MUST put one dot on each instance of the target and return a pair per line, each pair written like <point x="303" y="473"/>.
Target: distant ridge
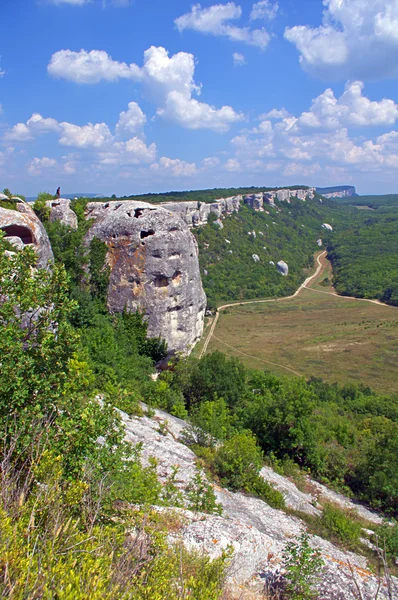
<point x="71" y="196"/>
<point x="338" y="191"/>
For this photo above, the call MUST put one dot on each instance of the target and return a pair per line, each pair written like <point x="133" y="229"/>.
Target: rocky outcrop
<point x="61" y="211"/>
<point x="327" y="227"/>
<point x="282" y="268"/>
<point x="23" y="224"/>
<point x="196" y="214"/>
<point x="154" y="268"/>
<point x="342" y="191"/>
<point x="257" y="201"/>
<point x="256" y="532"/>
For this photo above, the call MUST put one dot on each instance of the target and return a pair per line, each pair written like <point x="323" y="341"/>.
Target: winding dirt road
<point x="305" y="285"/>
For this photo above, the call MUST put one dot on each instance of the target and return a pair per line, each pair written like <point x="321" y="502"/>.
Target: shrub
<point x="40" y="207"/>
<point x="340" y="525"/>
<point x="201" y="496"/>
<point x="303" y="565"/>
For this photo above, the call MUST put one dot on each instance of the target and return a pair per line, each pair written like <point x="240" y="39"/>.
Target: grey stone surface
<point x="282" y="268"/>
<point x="62" y="212"/>
<point x="15" y="241"/>
<point x="196" y="214"/>
<point x="327" y="226"/>
<point x="24" y="224"/>
<point x="153" y="260"/>
<point x="256" y="258"/>
<point x="257" y="533"/>
<point x="257" y="201"/>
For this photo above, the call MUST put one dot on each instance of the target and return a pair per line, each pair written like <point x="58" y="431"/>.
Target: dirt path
<point x="306" y="285"/>
<point x="296" y="293"/>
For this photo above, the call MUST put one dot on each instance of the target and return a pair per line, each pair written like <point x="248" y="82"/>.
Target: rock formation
<point x="153" y="260"/>
<point x="256" y="532"/>
<point x="61" y="211"/>
<point x="23" y="227"/>
<point x="282" y="268"/>
<point x="327" y="226"/>
<point x="196" y="214"/>
<point x="257" y="201"/>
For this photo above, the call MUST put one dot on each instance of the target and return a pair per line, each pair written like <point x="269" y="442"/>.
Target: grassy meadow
<point x="316" y="333"/>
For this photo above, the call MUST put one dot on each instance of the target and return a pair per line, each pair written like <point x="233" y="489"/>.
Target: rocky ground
<point x="256" y="532"/>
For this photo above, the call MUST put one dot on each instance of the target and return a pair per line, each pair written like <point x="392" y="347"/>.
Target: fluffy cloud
<point x="87" y="136"/>
<point x="36" y="125"/>
<point x="265" y="9"/>
<point x="131" y="120"/>
<point x="239" y="59"/>
<point x="296" y="146"/>
<point x="192" y="114"/>
<point x="215" y="19"/>
<point x="352" y="109"/>
<point x="90" y="67"/>
<point x="131" y="152"/>
<point x="167" y="80"/>
<point x="358" y="39"/>
<point x="174" y="167"/>
<point x="38" y="165"/>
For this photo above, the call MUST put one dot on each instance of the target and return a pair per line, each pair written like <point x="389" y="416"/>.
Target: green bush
<point x="303" y="565"/>
<point x="201" y="496"/>
<point x="341" y="526"/>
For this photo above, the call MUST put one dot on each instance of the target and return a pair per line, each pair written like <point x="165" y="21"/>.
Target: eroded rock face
<point x="283" y="268"/>
<point x="196" y="214"/>
<point x="257" y="533"/>
<point x="153" y="259"/>
<point x="62" y="212"/>
<point x="25" y="225"/>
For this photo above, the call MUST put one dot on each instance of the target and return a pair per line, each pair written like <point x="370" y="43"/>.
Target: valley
<point x="317" y="333"/>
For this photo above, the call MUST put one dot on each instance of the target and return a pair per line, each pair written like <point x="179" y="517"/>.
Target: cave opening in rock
<point x="177" y="276"/>
<point x="138" y="212"/>
<point x="19" y="231"/>
<point x="161" y="281"/>
<point x="145" y="234"/>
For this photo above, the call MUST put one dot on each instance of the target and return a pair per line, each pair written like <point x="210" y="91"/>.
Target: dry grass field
<point x="316" y="333"/>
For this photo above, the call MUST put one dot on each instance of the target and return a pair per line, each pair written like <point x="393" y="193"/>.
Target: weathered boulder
<point x="282" y="268"/>
<point x="256" y="258"/>
<point x="327" y="226"/>
<point x="153" y="260"/>
<point x="61" y="211"/>
<point x="23" y="223"/>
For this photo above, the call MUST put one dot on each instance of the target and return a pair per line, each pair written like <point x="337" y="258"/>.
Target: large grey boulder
<point x="154" y="268"/>
<point x="23" y="223"/>
<point x="61" y="211"/>
<point x="282" y="268"/>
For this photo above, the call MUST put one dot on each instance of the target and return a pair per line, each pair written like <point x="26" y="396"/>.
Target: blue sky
<point x="133" y="96"/>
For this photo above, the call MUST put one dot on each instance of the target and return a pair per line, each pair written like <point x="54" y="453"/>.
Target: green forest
<point x="364" y="256"/>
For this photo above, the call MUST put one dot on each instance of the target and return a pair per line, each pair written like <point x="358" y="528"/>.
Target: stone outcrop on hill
<point x="282" y="268"/>
<point x="61" y="211"/>
<point x="23" y="228"/>
<point x="196" y="214"/>
<point x="256" y="532"/>
<point x="153" y="260"/>
<point x="342" y="191"/>
<point x="257" y="201"/>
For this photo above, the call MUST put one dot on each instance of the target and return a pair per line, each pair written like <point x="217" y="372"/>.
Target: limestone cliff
<point x="22" y="227"/>
<point x="153" y="260"/>
<point x="196" y="214"/>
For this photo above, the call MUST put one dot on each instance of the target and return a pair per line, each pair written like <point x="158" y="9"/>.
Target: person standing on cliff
<point x="58" y="192"/>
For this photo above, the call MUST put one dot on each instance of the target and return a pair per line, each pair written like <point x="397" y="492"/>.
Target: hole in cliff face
<point x="174" y="308"/>
<point x="174" y="229"/>
<point x="145" y="234"/>
<point x="19" y="231"/>
<point x="138" y="212"/>
<point x="157" y="254"/>
<point x="177" y="276"/>
<point x="161" y="281"/>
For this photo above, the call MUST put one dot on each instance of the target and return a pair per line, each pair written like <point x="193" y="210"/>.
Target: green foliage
<point x="201" y="496"/>
<point x="365" y="256"/>
<point x="7" y="193"/>
<point x="98" y="269"/>
<point x="40" y="207"/>
<point x="340" y="526"/>
<point x="386" y="538"/>
<point x="303" y="565"/>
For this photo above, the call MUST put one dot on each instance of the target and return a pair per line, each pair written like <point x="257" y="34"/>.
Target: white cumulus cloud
<point x="239" y="59"/>
<point x="38" y="165"/>
<point x="358" y="39"/>
<point x="131" y="120"/>
<point x="215" y="20"/>
<point x="86" y="136"/>
<point x="174" y="167"/>
<point x="265" y="9"/>
<point x="90" y="67"/>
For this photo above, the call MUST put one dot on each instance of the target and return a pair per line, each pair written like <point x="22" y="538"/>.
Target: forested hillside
<point x="365" y="256"/>
<point x="288" y="232"/>
<point x="387" y="200"/>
